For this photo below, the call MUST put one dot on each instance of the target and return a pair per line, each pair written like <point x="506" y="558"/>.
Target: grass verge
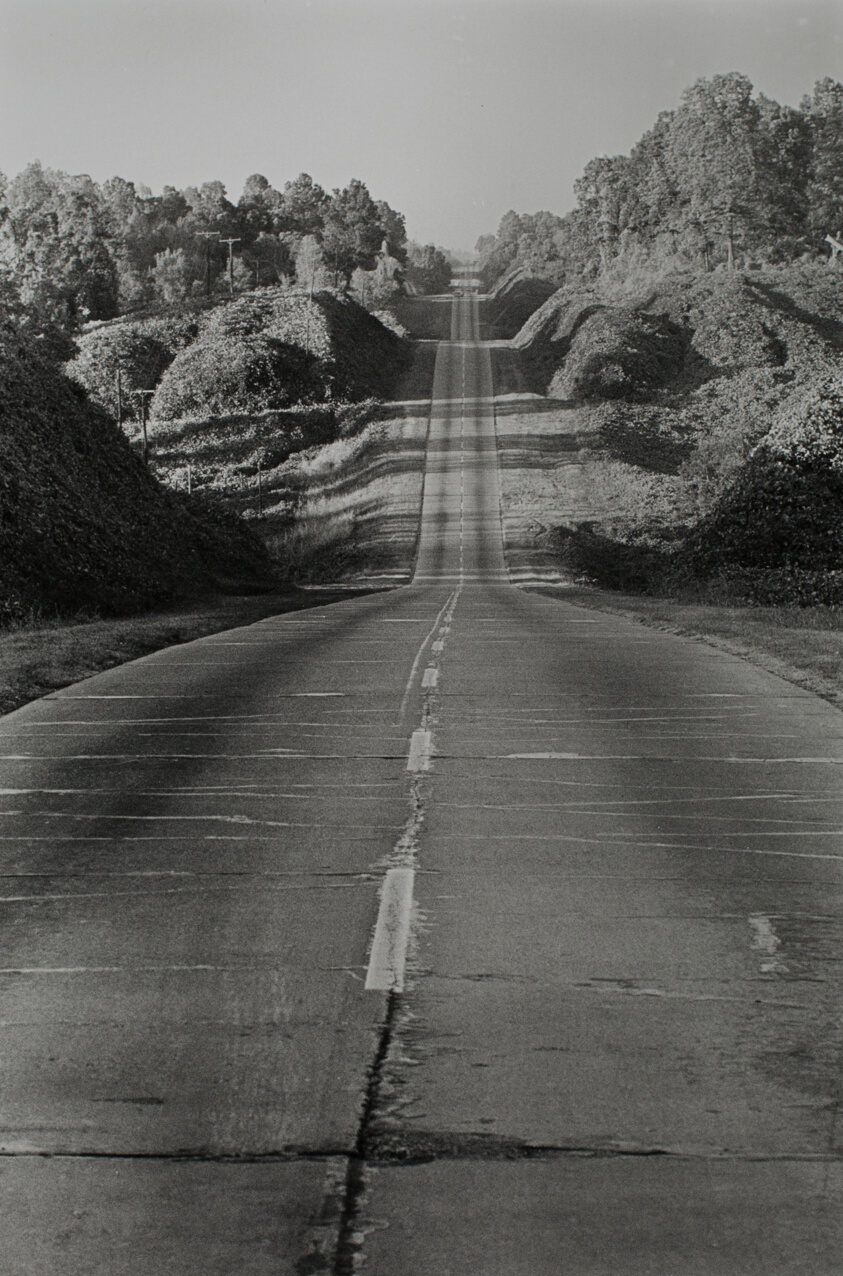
<point x="547" y="480"/>
<point x="41" y="657"/>
<point x="356" y="502"/>
<point x="803" y="645"/>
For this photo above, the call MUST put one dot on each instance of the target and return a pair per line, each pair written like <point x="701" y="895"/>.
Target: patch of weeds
<point x="44" y="656"/>
<point x="647" y="440"/>
<point x="318" y="548"/>
<point x="592" y="556"/>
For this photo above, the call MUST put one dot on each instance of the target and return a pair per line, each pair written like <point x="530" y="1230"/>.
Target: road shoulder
<point x="39" y="658"/>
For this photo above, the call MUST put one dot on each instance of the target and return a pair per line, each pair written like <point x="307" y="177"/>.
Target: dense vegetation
<point x="698" y="334"/>
<point x="725" y="178"/>
<point x="713" y="412"/>
<point x="83" y="524"/>
<point x="73" y="250"/>
<point x="106" y="291"/>
<point x="269" y="349"/>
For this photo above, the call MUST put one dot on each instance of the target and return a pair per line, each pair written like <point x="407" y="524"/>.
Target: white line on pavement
<point x="388" y="958"/>
<point x="449" y="600"/>
<point x="419" y="756"/>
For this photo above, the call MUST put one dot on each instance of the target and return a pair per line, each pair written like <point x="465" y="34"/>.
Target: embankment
<point x="83" y="525"/>
<point x="675" y="416"/>
<point x="333" y="490"/>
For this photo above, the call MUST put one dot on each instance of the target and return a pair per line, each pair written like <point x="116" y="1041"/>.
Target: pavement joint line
<point x="349" y="1242"/>
<point x="285" y="1155"/>
<point x="387" y="959"/>
<point x="400" y="1157"/>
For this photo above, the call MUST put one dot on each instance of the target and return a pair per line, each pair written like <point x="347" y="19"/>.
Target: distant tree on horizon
<point x="72" y="250"/>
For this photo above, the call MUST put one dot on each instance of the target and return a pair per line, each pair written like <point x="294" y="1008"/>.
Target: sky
<point x="453" y="111"/>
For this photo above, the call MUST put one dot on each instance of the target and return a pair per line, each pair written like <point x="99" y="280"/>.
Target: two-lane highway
<point x="455" y="929"/>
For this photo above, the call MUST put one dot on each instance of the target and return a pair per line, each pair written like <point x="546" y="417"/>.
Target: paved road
<point x="455" y="929"/>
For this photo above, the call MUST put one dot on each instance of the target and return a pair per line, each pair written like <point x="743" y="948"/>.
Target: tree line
<point x="727" y="177"/>
<point x="72" y="249"/>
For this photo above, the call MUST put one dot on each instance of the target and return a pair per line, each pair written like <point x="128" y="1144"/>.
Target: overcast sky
<point x="452" y="110"/>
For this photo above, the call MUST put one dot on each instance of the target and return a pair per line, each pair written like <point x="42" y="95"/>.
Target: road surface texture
<point x="453" y="930"/>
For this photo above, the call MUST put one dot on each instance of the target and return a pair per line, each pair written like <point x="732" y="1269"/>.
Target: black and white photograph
<point x="421" y="637"/>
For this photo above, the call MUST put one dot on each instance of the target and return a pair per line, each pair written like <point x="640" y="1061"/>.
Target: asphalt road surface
<point x="448" y="930"/>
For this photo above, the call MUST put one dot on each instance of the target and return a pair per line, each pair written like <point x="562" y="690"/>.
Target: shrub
<point x="774" y="515"/>
<point x="591" y="555"/>
<point x="248" y="374"/>
<point x="781" y="587"/>
<point x="142" y="350"/>
<point x="620" y="355"/>
<point x="648" y="438"/>
<point x="808" y="429"/>
<point x="83" y="524"/>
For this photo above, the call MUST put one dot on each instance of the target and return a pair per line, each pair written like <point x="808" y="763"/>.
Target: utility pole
<point x="260" y="489"/>
<point x="836" y="242"/>
<point x="307" y="326"/>
<point x="119" y="396"/>
<point x="144" y="396"/>
<point x="231" y="243"/>
<point x="207" y="235"/>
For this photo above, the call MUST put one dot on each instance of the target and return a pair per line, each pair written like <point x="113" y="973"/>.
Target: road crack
<point x="349" y="1239"/>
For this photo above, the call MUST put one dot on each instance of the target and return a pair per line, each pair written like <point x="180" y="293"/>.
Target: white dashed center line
<point x="388" y="958"/>
<point x="419" y="756"/>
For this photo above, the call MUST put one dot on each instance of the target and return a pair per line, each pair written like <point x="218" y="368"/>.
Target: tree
<point x="119" y="203"/>
<point x="717" y="158"/>
<point x="302" y="207"/>
<point x="825" y="171"/>
<point x="785" y="145"/>
<point x="171" y="276"/>
<point x="352" y="232"/>
<point x="208" y="208"/>
<point x="57" y="245"/>
<point x="723" y="170"/>
<point x="497" y="253"/>
<point x="258" y="209"/>
<point x="73" y="250"/>
<point x="428" y="269"/>
<point x="311" y="273"/>
<point x="394" y="232"/>
<point x="271" y="258"/>
<point x="653" y="187"/>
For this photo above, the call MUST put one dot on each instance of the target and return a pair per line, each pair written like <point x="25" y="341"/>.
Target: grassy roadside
<point x="38" y="658"/>
<point x="548" y="479"/>
<point x="357" y="501"/>
<point x="358" y="521"/>
<point x="803" y="645"/>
